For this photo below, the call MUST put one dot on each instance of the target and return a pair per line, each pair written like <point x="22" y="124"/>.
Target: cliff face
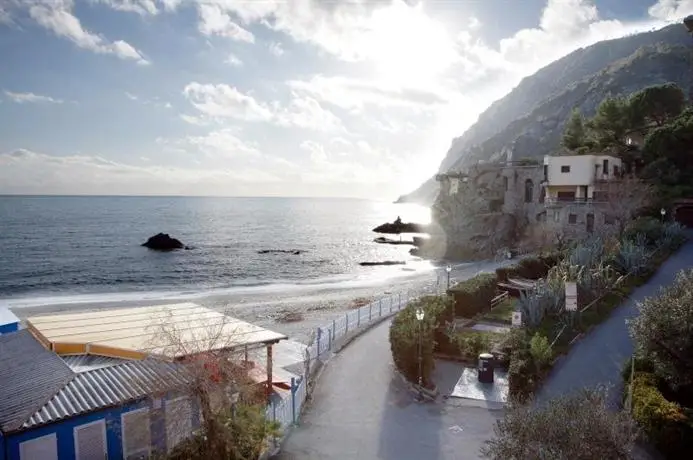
<point x="530" y="119"/>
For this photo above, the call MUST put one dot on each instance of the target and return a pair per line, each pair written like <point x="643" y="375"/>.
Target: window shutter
<point x="136" y="432"/>
<point x="44" y="448"/>
<point x="178" y="421"/>
<point x="90" y="441"/>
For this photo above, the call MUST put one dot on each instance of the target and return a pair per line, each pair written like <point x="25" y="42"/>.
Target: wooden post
<point x="269" y="372"/>
<point x="245" y="353"/>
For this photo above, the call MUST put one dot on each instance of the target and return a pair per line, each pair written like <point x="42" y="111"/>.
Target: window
<point x="557" y="216"/>
<point x="616" y="171"/>
<point x="45" y="448"/>
<point x="546" y="172"/>
<point x="136" y="434"/>
<point x="90" y="440"/>
<point x="605" y="167"/>
<point x="454" y="185"/>
<point x="609" y="219"/>
<point x="565" y="196"/>
<point x="505" y="183"/>
<point x="572" y="218"/>
<point x="565" y="169"/>
<point x="529" y="190"/>
<point x="542" y="195"/>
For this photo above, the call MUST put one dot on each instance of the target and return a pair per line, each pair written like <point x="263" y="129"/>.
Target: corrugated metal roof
<point x="84" y="363"/>
<point x="29" y="376"/>
<point x="107" y="387"/>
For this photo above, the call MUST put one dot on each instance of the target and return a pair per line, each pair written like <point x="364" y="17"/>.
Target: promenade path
<point x="598" y="358"/>
<point x="361" y="410"/>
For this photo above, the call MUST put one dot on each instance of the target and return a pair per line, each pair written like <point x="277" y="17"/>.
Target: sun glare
<point x="407" y="46"/>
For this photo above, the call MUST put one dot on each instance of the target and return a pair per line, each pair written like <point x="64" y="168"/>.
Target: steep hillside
<point x="529" y="120"/>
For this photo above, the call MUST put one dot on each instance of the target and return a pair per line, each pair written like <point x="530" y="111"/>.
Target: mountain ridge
<point x="528" y="121"/>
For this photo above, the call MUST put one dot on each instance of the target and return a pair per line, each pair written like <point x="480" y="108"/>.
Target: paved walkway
<point x="598" y="358"/>
<point x="361" y="410"/>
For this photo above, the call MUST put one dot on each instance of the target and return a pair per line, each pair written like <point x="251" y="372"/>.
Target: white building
<point x="576" y="178"/>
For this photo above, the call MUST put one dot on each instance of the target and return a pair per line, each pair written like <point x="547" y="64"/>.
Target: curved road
<point x="361" y="410"/>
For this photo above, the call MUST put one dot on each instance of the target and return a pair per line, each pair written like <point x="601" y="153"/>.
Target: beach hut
<point x="99" y="385"/>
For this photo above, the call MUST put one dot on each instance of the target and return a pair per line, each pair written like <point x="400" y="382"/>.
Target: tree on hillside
<point x="575" y="134"/>
<point x="624" y="198"/>
<point x="610" y="124"/>
<point x="668" y="156"/>
<point x="662" y="331"/>
<point x="655" y="105"/>
<point x="577" y="427"/>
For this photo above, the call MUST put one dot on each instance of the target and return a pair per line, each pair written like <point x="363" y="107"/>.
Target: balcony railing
<point x="572" y="201"/>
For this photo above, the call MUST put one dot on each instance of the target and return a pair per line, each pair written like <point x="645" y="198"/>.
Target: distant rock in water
<point x="163" y="242"/>
<point x="385" y="262"/>
<point x="398" y="227"/>
<point x="294" y="252"/>
<point x="384" y="240"/>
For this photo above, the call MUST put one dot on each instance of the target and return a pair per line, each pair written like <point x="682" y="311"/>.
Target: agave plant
<point x="632" y="257"/>
<point x="587" y="253"/>
<point x="673" y="234"/>
<point x="533" y="308"/>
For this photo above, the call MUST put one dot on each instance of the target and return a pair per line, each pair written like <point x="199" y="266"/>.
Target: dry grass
<point x="289" y="316"/>
<point x="360" y="302"/>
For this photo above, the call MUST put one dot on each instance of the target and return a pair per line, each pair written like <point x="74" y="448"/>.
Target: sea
<point x="82" y="249"/>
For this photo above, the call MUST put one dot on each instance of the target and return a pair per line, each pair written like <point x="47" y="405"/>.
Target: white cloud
<point x="275" y="48"/>
<point x="671" y="10"/>
<point x="215" y="21"/>
<point x="141" y="7"/>
<point x="21" y="98"/>
<point x="156" y="102"/>
<point x="224" y="101"/>
<point x="234" y="60"/>
<point x="223" y="142"/>
<point x="5" y="17"/>
<point x="131" y="96"/>
<point x="57" y="17"/>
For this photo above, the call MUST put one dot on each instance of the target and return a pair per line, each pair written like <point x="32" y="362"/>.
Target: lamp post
<point x="419" y="318"/>
<point x="448" y="269"/>
<point x="662" y="212"/>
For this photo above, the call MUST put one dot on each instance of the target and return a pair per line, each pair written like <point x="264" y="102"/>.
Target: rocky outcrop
<point x="384" y="240"/>
<point x="385" y="262"/>
<point x="163" y="242"/>
<point x="398" y="227"/>
<point x="529" y="121"/>
<point x="294" y="252"/>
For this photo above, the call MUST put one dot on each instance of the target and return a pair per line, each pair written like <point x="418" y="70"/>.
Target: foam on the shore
<point x="278" y="287"/>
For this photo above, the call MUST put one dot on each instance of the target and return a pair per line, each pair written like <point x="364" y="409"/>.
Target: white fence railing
<point x="288" y="410"/>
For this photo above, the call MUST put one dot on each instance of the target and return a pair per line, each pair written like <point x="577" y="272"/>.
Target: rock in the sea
<point x="294" y="252"/>
<point x="398" y="227"/>
<point x="163" y="242"/>
<point x="384" y="240"/>
<point x="385" y="262"/>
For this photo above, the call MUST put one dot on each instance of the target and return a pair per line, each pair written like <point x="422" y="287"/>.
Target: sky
<point x="349" y="98"/>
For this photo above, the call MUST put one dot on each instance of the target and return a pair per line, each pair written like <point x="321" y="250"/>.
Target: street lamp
<point x="419" y="318"/>
<point x="662" y="212"/>
<point x="448" y="269"/>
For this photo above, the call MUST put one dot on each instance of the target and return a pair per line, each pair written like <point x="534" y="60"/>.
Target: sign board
<point x="517" y="319"/>
<point x="571" y="296"/>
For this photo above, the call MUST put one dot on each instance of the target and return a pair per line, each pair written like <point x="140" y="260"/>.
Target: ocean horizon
<point x="87" y="249"/>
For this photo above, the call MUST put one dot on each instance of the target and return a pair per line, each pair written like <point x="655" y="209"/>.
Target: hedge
<point x="474" y="295"/>
<point x="406" y="331"/>
<point x="531" y="268"/>
<point x="664" y="422"/>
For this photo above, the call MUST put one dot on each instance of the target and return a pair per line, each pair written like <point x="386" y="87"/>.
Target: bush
<point x="474" y="295"/>
<point x="540" y="350"/>
<point x="532" y="268"/>
<point x="663" y="421"/>
<point x="406" y="331"/>
<point x="652" y="229"/>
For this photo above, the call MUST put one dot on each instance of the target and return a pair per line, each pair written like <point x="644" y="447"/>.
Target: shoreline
<point x="313" y="305"/>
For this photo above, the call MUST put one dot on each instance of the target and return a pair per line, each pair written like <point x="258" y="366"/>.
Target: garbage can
<point x="485" y="369"/>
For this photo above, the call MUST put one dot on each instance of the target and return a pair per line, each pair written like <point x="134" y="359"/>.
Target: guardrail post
<point x="319" y="335"/>
<point x="370" y="311"/>
<point x="391" y="304"/>
<point x="334" y="330"/>
<point x="399" y="304"/>
<point x="346" y="321"/>
<point x="380" y="307"/>
<point x="358" y="317"/>
<point x="329" y="339"/>
<point x="293" y="399"/>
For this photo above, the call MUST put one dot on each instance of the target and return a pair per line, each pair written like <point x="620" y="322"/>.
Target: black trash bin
<point x="485" y="369"/>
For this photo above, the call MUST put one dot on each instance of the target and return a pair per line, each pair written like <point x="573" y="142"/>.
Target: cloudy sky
<point x="262" y="97"/>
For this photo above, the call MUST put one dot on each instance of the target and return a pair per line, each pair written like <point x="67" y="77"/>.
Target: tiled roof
<point x="107" y="386"/>
<point x="29" y="376"/>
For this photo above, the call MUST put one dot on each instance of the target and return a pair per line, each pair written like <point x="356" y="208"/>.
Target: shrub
<point x="663" y="421"/>
<point x="578" y="426"/>
<point x="540" y="350"/>
<point x="406" y="331"/>
<point x="474" y="295"/>
<point x="662" y="331"/>
<point x="632" y="256"/>
<point x="532" y="268"/>
<point x="652" y="230"/>
<point x="533" y="308"/>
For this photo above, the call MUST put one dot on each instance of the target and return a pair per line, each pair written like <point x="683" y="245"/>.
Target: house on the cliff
<point x="571" y="191"/>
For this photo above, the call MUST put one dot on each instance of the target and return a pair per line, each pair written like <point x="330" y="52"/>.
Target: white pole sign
<point x="517" y="319"/>
<point x="571" y="296"/>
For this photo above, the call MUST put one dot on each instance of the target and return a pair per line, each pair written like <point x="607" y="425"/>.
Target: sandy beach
<point x="296" y="312"/>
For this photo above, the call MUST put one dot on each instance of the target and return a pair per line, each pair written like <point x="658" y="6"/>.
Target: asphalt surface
<point x="598" y="358"/>
<point x="361" y="410"/>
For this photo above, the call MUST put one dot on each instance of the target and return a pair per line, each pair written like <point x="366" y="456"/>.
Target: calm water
<point x="56" y="246"/>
